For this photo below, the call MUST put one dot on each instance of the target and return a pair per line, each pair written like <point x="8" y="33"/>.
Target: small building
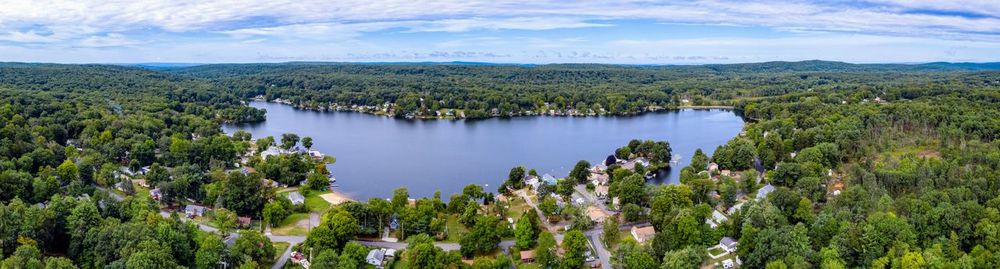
<point x="601" y="191"/>
<point x="728" y="244"/>
<point x="316" y="155"/>
<point x="599" y="168"/>
<point x="376" y="257"/>
<point x="596" y="214"/>
<point x="244" y="222"/>
<point x="717" y="219"/>
<point x="764" y="191"/>
<point x="271" y="151"/>
<point x="527" y="256"/>
<point x="296" y="198"/>
<point x="712" y="167"/>
<point x="599" y="179"/>
<point x="549" y="179"/>
<point x="194" y="211"/>
<point x="643" y="234"/>
<point x="155" y="194"/>
<point x="732" y="210"/>
<point x="533" y="182"/>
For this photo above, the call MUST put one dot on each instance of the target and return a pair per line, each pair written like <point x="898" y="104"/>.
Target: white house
<point x="728" y="244"/>
<point x="376" y="257"/>
<point x="533" y="182"/>
<point x="717" y="219"/>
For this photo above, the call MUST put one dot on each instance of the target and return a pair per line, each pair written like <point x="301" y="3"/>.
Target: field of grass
<point x="518" y="208"/>
<point x="279" y="248"/>
<point x="288" y="227"/>
<point x="455" y="229"/>
<point x="316" y="203"/>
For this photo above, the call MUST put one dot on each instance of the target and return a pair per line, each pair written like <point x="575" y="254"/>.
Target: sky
<point x="500" y="31"/>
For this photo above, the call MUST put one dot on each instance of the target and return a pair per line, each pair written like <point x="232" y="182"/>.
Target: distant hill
<point x="965" y="66"/>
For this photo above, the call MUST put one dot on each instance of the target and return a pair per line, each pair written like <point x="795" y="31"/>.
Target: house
<point x="596" y="214"/>
<point x="764" y="191"/>
<point x="601" y="191"/>
<point x="316" y="155"/>
<point x="243" y="221"/>
<point x="599" y="168"/>
<point x="643" y="234"/>
<point x="717" y="219"/>
<point x="194" y="211"/>
<point x="712" y="167"/>
<point x="728" y="244"/>
<point x="296" y="198"/>
<point x="734" y="208"/>
<point x="271" y="151"/>
<point x="549" y="179"/>
<point x="533" y="182"/>
<point x="390" y="253"/>
<point x="728" y="263"/>
<point x="598" y="178"/>
<point x="155" y="194"/>
<point x="527" y="256"/>
<point x="376" y="257"/>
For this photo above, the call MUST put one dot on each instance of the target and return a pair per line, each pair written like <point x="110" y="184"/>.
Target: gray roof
<point x="296" y="197"/>
<point x="375" y="256"/>
<point x="763" y="191"/>
<point x="549" y="179"/>
<point x="727" y="241"/>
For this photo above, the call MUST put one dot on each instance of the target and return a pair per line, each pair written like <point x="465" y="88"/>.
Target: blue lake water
<point x="376" y="154"/>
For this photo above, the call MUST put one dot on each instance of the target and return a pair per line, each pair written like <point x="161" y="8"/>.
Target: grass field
<point x="288" y="227"/>
<point x="455" y="229"/>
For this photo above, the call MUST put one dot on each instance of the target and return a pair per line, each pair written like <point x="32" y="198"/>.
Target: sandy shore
<point x="335" y="198"/>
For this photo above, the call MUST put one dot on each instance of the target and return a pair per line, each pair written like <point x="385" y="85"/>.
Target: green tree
<point x="275" y="211"/>
<point x="252" y="246"/>
<point x="579" y="173"/>
<point x="482" y="238"/>
<point x="307" y="142"/>
<point x="211" y="251"/>
<point x="545" y="252"/>
<point x="575" y="246"/>
<point x="337" y="228"/>
<point x="288" y="140"/>
<point x="225" y="220"/>
<point x="325" y="259"/>
<point x="690" y="257"/>
<point x="548" y="206"/>
<point x="516" y="177"/>
<point x="67" y="172"/>
<point x="611" y="233"/>
<point x="525" y="232"/>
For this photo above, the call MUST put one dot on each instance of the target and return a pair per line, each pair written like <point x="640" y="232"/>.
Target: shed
<point x="296" y="198"/>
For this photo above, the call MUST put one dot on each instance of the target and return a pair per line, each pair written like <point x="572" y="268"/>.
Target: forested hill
<point x="111" y="84"/>
<point x="423" y="90"/>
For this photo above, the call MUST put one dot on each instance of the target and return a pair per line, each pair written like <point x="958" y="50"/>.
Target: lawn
<point x="288" y="227"/>
<point x="455" y="229"/>
<point x="518" y="208"/>
<point x="313" y="201"/>
<point x="279" y="248"/>
<point x="716" y="251"/>
<point x="316" y="203"/>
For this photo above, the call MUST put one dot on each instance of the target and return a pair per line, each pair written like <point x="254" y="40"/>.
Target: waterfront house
<point x="271" y="151"/>
<point x="643" y="234"/>
<point x="296" y="198"/>
<point x="532" y="181"/>
<point x="599" y="168"/>
<point x="549" y="179"/>
<point x="599" y="179"/>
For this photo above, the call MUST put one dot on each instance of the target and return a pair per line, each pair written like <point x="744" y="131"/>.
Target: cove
<point x="377" y="154"/>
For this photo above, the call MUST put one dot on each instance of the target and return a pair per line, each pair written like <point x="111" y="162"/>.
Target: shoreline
<point x="652" y="109"/>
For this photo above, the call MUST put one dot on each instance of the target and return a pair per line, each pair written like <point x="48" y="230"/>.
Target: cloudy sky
<point x="534" y="31"/>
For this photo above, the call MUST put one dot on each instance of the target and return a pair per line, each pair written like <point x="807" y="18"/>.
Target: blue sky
<point x="540" y="31"/>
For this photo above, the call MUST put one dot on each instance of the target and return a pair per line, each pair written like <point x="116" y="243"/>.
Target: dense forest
<point x="872" y="166"/>
<point x="415" y="90"/>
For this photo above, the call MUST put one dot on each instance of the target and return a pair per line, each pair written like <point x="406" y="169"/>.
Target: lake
<point x="377" y="154"/>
